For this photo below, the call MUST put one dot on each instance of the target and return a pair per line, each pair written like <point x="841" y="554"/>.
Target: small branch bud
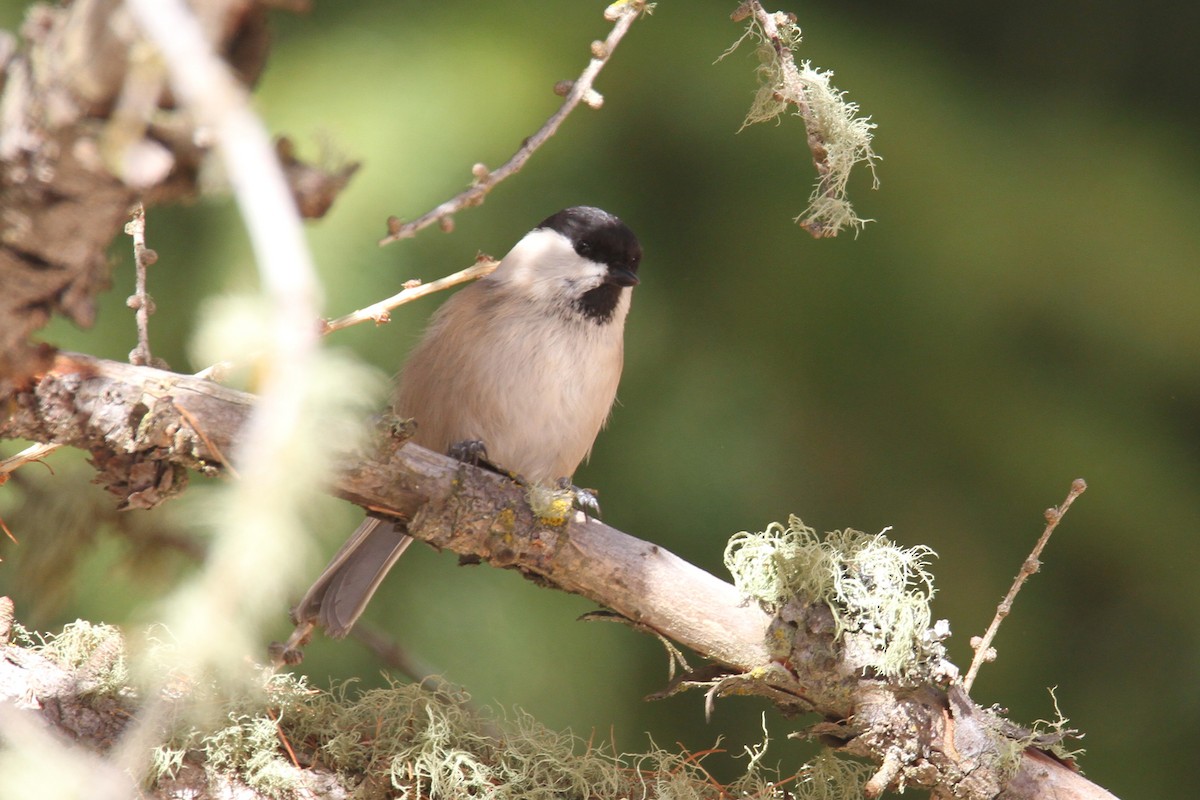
<point x="593" y="99"/>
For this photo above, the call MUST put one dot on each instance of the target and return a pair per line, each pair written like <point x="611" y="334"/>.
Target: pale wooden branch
<point x="948" y="743"/>
<point x="622" y="14"/>
<point x="413" y="290"/>
<point x="34" y="452"/>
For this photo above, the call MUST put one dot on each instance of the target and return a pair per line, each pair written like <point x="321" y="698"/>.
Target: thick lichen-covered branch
<point x="798" y="653"/>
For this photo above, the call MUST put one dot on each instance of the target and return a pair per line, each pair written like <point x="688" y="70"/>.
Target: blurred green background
<point x="1022" y="312"/>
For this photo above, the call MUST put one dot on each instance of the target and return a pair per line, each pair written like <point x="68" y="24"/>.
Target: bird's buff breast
<point x="550" y="388"/>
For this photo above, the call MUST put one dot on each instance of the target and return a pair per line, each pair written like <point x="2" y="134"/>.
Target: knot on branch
<point x="876" y="593"/>
<point x="140" y="438"/>
<point x="138" y="480"/>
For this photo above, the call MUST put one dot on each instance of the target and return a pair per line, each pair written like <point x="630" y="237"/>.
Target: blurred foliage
<point x="1023" y="312"/>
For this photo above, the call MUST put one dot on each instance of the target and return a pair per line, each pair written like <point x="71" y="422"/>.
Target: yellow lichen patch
<point x="550" y="504"/>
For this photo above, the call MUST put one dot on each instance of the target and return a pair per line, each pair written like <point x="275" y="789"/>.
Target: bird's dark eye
<point x="583" y="249"/>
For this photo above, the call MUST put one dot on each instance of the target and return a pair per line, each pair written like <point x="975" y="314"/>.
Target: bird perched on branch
<point x="523" y="364"/>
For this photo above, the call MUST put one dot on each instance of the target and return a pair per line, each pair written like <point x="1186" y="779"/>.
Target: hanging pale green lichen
<point x="877" y="591"/>
<point x="838" y="137"/>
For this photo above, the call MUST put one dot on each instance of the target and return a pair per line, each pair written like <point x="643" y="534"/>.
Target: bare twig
<point x="140" y="301"/>
<point x="8" y="531"/>
<point x="35" y="452"/>
<point x="389" y="651"/>
<point x="982" y="645"/>
<point x="378" y="312"/>
<point x="622" y="14"/>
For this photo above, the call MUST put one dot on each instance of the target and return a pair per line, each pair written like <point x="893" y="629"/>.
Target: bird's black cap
<point x="601" y="237"/>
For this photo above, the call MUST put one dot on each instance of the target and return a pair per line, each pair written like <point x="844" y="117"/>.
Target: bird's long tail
<point x="338" y="596"/>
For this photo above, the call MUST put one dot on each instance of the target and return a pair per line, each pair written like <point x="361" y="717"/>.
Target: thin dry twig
<point x="8" y="531"/>
<point x="983" y="645"/>
<point x="283" y="739"/>
<point x="212" y="447"/>
<point x="378" y="312"/>
<point x="391" y="654"/>
<point x="35" y="452"/>
<point x="140" y="301"/>
<point x="622" y="14"/>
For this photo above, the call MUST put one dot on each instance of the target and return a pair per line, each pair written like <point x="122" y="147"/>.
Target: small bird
<point x="525" y="362"/>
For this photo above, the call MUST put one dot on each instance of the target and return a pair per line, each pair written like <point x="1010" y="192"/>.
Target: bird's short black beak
<point x="622" y="276"/>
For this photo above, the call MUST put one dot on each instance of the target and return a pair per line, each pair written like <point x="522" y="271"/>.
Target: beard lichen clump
<point x="878" y="592"/>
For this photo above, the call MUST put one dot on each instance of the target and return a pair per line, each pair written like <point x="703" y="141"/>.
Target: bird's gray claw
<point x="585" y="499"/>
<point x="469" y="451"/>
